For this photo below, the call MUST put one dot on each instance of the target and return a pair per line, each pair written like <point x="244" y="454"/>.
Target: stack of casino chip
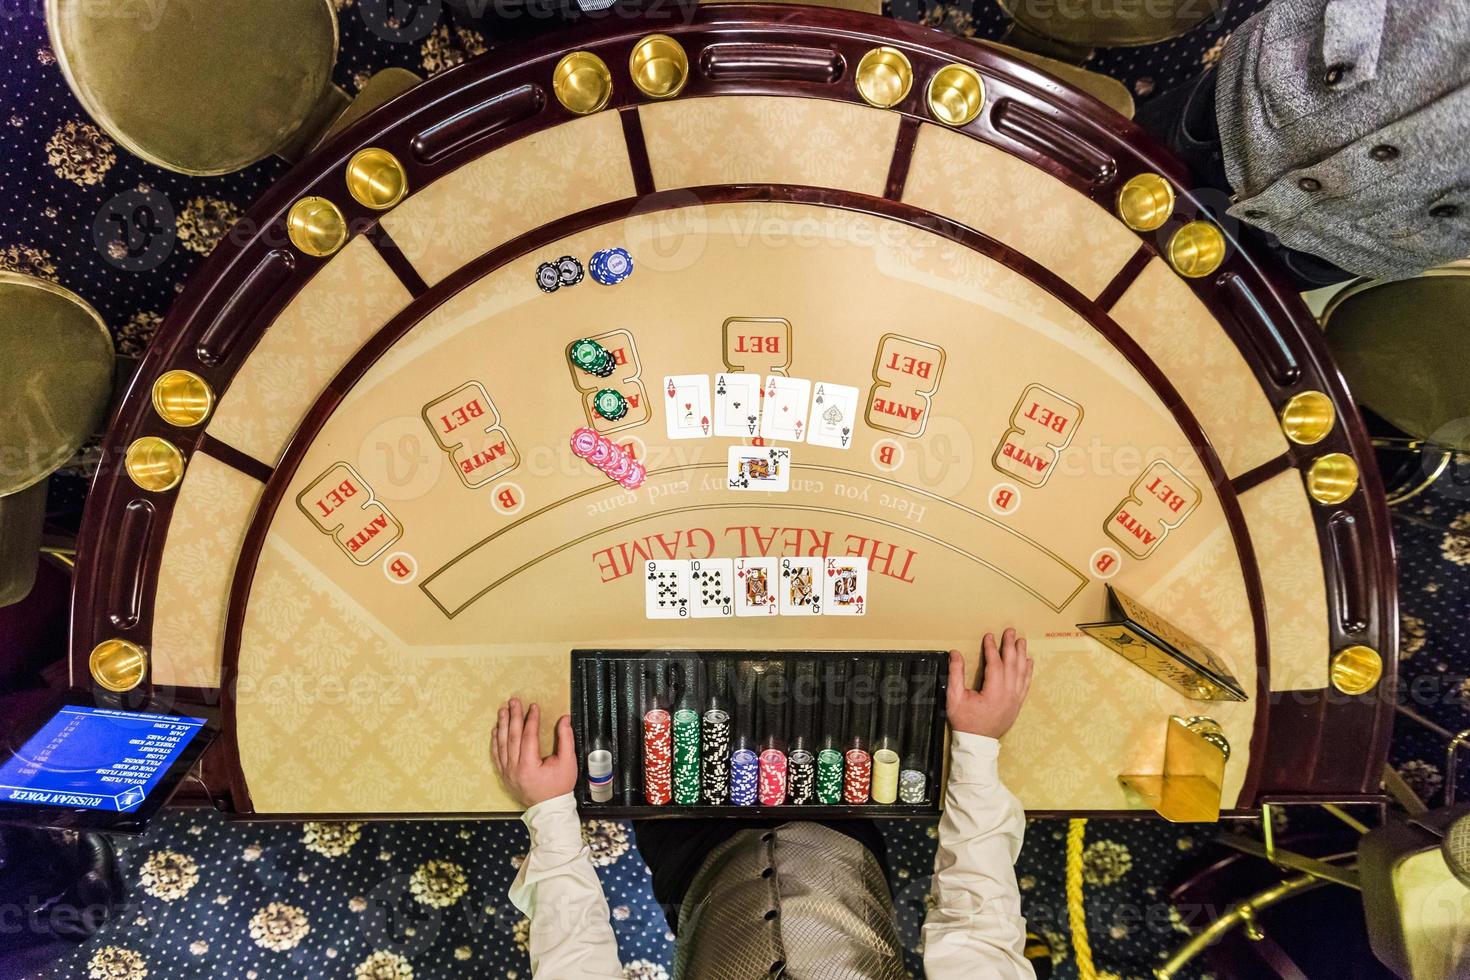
<point x="569" y="270"/>
<point x="611" y="266"/>
<point x="657" y="757"/>
<point x="857" y="776"/>
<point x="885" y="776"/>
<point x="772" y="778"/>
<point x="829" y="759"/>
<point x="912" y="786"/>
<point x="765" y="731"/>
<point x="744" y="776"/>
<point x="590" y="356"/>
<point x="829" y="776"/>
<point x="610" y="404"/>
<point x="686" y="757"/>
<point x="892" y="697"/>
<point x="801" y="777"/>
<point x="913" y="781"/>
<point x="715" y="755"/>
<point x="565" y="271"/>
<point x="614" y="460"/>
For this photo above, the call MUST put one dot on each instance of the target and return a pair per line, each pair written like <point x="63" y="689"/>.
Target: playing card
<point x="783" y="414"/>
<point x="737" y="405"/>
<point x="756" y="584"/>
<point x="711" y="587"/>
<point x="846" y="586"/>
<point x="765" y="468"/>
<point x="666" y="589"/>
<point x="834" y="409"/>
<point x="686" y="406"/>
<point x="801" y="587"/>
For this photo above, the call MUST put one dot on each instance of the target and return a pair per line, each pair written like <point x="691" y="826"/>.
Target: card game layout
<point x="711" y="588"/>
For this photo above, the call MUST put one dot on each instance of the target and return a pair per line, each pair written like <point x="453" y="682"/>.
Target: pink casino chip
<point x="620" y="465"/>
<point x="636" y="475"/>
<point x="584" y="440"/>
<point x="602" y="452"/>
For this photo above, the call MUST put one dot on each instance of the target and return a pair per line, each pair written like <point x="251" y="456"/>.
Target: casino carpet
<point x="427" y="900"/>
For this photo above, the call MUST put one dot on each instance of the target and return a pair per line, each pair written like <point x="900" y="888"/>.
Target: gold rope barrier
<point x="1076" y="910"/>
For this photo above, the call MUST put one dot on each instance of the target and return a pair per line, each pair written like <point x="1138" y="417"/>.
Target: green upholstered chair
<point x="56" y="372"/>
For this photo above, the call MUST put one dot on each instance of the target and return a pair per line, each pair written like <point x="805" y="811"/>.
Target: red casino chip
<point x="658" y="756"/>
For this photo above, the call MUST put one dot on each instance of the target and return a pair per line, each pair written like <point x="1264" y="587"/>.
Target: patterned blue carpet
<point x="395" y="901"/>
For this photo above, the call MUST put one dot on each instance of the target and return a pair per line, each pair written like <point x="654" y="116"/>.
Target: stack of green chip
<point x="829" y="776"/>
<point x="610" y="404"/>
<point x="590" y="356"/>
<point x="686" y="757"/>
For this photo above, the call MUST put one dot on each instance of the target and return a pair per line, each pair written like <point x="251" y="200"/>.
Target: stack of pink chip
<point x="614" y="460"/>
<point x="772" y="786"/>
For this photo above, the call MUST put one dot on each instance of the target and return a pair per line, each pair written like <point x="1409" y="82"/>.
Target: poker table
<point x="343" y="506"/>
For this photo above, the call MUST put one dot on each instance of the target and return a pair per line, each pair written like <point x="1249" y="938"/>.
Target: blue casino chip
<point x="610" y="266"/>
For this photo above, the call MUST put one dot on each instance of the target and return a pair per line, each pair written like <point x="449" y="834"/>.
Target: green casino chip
<point x="610" y="404"/>
<point x="829" y="776"/>
<point x="588" y="355"/>
<point x="686" y="757"/>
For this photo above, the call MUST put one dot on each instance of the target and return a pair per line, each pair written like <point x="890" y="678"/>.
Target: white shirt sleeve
<point x="571" y="937"/>
<point x="975" y="928"/>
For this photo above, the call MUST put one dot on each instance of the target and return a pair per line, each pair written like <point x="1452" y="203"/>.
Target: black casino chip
<point x="548" y="277"/>
<point x="569" y="270"/>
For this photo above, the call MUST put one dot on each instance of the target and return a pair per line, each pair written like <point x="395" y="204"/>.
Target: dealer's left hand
<point x="516" y="747"/>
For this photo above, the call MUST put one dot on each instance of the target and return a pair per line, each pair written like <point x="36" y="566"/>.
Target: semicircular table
<point x="380" y="531"/>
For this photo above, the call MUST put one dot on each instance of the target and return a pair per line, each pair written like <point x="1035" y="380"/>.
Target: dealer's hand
<point x="992" y="709"/>
<point x="516" y="747"/>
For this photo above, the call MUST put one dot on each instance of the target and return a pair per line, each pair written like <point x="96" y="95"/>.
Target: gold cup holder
<point x="1145" y="202"/>
<point x="118" y="665"/>
<point x="1332" y="478"/>
<point x="315" y="225"/>
<point x="1209" y="729"/>
<point x="659" y="66"/>
<point x="1356" y="670"/>
<point x="1308" y="417"/>
<point x="376" y="179"/>
<point x="182" y="398"/>
<point x="884" y="77"/>
<point x="956" y="95"/>
<point x="154" y="464"/>
<point x="582" y="82"/>
<point x="1197" y="249"/>
<point x="1187" y="789"/>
